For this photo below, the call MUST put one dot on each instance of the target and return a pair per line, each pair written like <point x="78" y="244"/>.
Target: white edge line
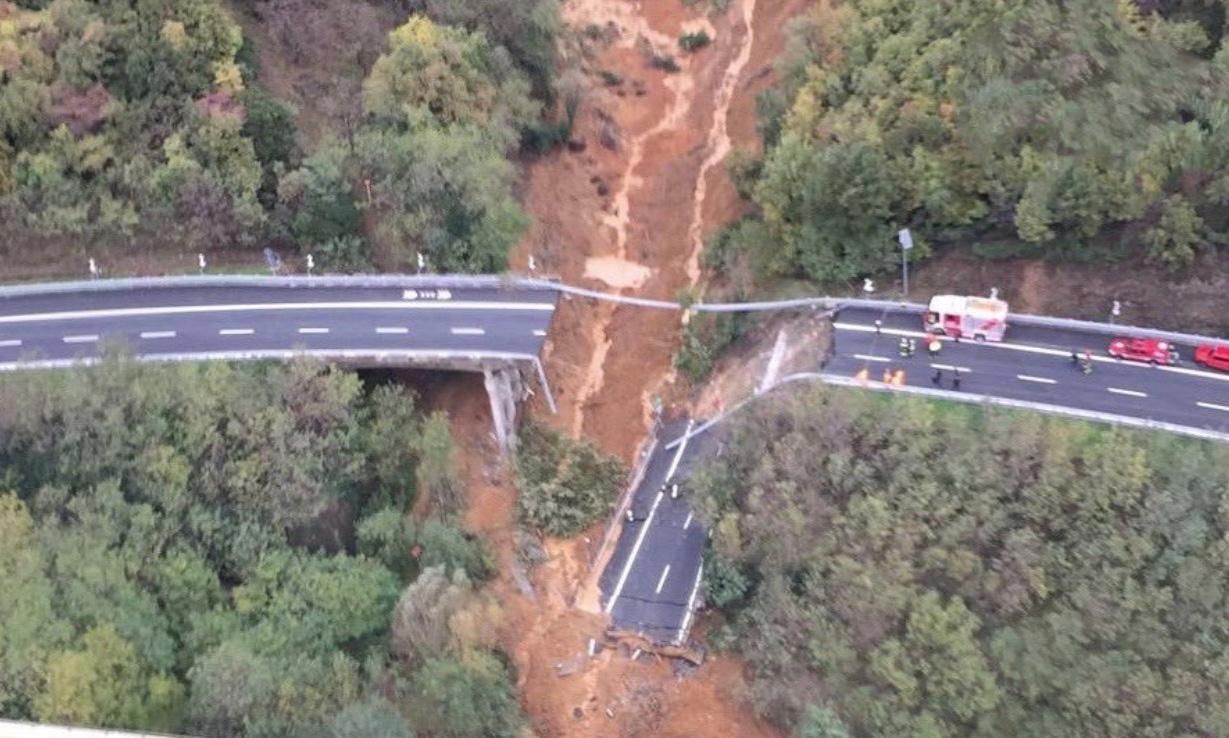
<point x="627" y="568"/>
<point x="1038" y="380"/>
<point x="245" y="307"/>
<point x="1128" y="393"/>
<point x="661" y="581"/>
<point x="868" y="357"/>
<point x="691" y="605"/>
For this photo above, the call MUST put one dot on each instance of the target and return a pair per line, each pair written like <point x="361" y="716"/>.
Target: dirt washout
<point x="626" y="207"/>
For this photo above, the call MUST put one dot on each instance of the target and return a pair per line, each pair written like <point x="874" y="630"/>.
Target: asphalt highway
<point x="184" y="321"/>
<point x="652" y="581"/>
<point x="1033" y="364"/>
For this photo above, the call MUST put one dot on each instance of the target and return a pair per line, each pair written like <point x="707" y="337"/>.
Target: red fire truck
<point x="979" y="318"/>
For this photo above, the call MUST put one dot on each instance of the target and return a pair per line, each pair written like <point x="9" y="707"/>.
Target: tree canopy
<point x="221" y="550"/>
<point x="893" y="567"/>
<point x="1041" y="124"/>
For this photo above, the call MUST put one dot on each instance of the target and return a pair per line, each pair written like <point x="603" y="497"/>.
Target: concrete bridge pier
<point x="505" y="389"/>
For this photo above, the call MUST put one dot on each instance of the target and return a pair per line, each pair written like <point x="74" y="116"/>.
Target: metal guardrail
<point x="1090" y="415"/>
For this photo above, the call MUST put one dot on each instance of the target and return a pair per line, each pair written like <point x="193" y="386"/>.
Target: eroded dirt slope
<point x="629" y="211"/>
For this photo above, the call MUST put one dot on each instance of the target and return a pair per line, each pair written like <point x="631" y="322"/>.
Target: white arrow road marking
<point x="236" y="332"/>
<point x="11" y="342"/>
<point x="158" y="334"/>
<point x="1213" y="406"/>
<point x="313" y="330"/>
<point x="81" y="339"/>
<point x="393" y="330"/>
<point x="1128" y="393"/>
<point x="468" y="331"/>
<point x="1039" y="380"/>
<point x="866" y="357"/>
<point x="662" y="580"/>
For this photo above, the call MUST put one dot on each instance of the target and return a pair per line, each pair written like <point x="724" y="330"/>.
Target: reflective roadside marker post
<point x="93" y="269"/>
<point x="200" y="262"/>
<point x="311" y="264"/>
<point x="906" y="243"/>
<point x="1115" y="311"/>
<point x="532" y="266"/>
<point x="421" y="262"/>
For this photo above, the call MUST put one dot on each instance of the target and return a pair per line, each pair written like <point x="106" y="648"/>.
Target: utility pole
<point x="906" y="243"/>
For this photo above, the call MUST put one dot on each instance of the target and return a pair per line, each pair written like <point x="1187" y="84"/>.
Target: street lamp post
<point x="906" y="242"/>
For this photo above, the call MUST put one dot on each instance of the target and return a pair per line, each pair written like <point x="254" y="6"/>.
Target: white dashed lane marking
<point x="158" y="334"/>
<point x="867" y="357"/>
<point x="1128" y="393"/>
<point x="236" y="332"/>
<point x="393" y="330"/>
<point x="92" y="338"/>
<point x="468" y="331"/>
<point x="1038" y="380"/>
<point x="1213" y="406"/>
<point x="313" y="330"/>
<point x="662" y="581"/>
<point x="10" y="342"/>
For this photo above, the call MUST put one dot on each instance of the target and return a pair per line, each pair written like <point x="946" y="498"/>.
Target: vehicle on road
<point x="1150" y="350"/>
<point x="1212" y="356"/>
<point x="958" y="316"/>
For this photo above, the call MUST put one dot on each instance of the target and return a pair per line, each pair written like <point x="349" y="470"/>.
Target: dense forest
<point x="1080" y="129"/>
<point x="223" y="550"/>
<point x="893" y="567"/>
<point x="120" y="119"/>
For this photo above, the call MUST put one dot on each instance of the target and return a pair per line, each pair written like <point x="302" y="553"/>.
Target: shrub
<point x="565" y="485"/>
<point x="694" y="41"/>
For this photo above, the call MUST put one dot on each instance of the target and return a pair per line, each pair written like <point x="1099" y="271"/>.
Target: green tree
<point x="375" y="718"/>
<point x="455" y="699"/>
<point x="104" y="684"/>
<point x="1176" y="238"/>
<point x="444" y="193"/>
<point x="828" y="210"/>
<point x="451" y="76"/>
<point x="565" y="485"/>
